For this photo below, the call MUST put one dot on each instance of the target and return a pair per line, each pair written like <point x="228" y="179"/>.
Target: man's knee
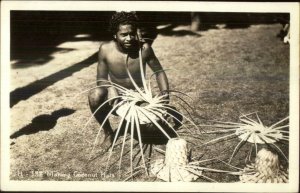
<point x="97" y="96"/>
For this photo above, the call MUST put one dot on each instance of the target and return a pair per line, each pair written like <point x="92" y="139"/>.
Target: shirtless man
<point x="112" y="64"/>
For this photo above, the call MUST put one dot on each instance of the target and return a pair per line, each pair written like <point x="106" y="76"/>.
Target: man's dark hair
<point x="122" y="18"/>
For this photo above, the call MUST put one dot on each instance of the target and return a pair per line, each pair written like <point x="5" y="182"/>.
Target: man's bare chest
<point x="118" y="64"/>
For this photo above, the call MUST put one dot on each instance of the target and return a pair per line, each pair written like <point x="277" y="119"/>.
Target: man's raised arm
<point x="156" y="67"/>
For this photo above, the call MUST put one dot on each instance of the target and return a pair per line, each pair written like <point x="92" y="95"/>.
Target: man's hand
<point x="166" y="97"/>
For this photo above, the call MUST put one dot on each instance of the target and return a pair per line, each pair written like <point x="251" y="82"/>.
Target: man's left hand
<point x="166" y="97"/>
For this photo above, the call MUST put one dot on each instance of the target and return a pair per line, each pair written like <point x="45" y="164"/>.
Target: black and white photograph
<point x="170" y="96"/>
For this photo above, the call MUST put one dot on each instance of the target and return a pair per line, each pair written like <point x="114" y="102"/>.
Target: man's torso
<point x="118" y="63"/>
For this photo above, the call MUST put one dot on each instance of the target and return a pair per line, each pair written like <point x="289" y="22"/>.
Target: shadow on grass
<point x="42" y="122"/>
<point x="25" y="92"/>
<point x="168" y="31"/>
<point x="36" y="56"/>
<point x="36" y="35"/>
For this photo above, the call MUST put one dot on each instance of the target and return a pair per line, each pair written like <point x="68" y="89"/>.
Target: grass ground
<point x="226" y="71"/>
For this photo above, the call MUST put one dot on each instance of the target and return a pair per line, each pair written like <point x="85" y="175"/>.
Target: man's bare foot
<point x="105" y="142"/>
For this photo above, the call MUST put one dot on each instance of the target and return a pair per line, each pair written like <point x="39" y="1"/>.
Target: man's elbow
<point x="102" y="81"/>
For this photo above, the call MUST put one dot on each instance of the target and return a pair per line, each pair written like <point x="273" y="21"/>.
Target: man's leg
<point x="96" y="98"/>
<point x="177" y="118"/>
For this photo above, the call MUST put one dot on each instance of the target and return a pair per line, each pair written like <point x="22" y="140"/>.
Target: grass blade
<point x="140" y="138"/>
<point x="179" y="174"/>
<point x="217" y="139"/>
<point x="147" y="91"/>
<point x="208" y="169"/>
<point x="272" y="126"/>
<point x="106" y="118"/>
<point x="236" y="148"/>
<point x="163" y="70"/>
<point x="91" y="117"/>
<point x="131" y="144"/>
<point x="133" y="81"/>
<point x="278" y="128"/>
<point x="186" y="103"/>
<point x="115" y="138"/>
<point x="132" y="175"/>
<point x="123" y="144"/>
<point x="220" y="131"/>
<point x="182" y="116"/>
<point x="280" y="151"/>
<point x="176" y="91"/>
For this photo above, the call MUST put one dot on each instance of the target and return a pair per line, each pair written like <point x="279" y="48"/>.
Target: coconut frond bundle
<point x="265" y="169"/>
<point x="250" y="131"/>
<point x="176" y="167"/>
<point x="136" y="108"/>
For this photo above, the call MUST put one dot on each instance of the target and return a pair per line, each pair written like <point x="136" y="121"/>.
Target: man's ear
<point x="115" y="37"/>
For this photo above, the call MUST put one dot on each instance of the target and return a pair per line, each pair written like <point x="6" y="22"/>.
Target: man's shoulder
<point x="106" y="46"/>
<point x="147" y="50"/>
<point x="146" y="46"/>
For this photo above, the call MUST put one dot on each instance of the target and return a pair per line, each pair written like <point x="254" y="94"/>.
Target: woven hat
<point x="266" y="169"/>
<point x="173" y="167"/>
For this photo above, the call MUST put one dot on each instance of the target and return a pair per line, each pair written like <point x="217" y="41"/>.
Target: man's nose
<point x="129" y="37"/>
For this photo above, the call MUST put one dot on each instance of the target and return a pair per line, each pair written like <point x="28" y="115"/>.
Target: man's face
<point x="126" y="36"/>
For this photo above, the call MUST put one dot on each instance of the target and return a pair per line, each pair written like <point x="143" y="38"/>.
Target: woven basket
<point x="266" y="169"/>
<point x="172" y="168"/>
<point x="143" y="119"/>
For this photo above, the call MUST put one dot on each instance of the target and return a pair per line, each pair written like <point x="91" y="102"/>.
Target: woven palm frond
<point x="172" y="168"/>
<point x="265" y="169"/>
<point x="176" y="167"/>
<point x="251" y="131"/>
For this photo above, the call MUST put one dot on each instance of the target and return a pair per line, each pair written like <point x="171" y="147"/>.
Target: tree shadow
<point x="35" y="35"/>
<point x="169" y="31"/>
<point x="43" y="122"/>
<point x="37" y="86"/>
<point x="35" y="56"/>
<point x="237" y="20"/>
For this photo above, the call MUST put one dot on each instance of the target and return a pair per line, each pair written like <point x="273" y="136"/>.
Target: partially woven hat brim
<point x="172" y="173"/>
<point x="122" y="111"/>
<point x="251" y="175"/>
<point x="266" y="169"/>
<point x="174" y="168"/>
